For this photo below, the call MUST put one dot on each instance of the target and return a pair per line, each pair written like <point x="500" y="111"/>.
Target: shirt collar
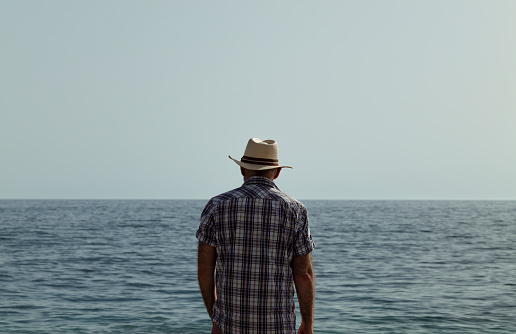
<point x="260" y="180"/>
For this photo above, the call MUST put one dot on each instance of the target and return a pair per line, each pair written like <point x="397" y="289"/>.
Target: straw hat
<point x="260" y="155"/>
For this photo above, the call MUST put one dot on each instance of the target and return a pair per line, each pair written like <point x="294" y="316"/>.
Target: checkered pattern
<point x="257" y="230"/>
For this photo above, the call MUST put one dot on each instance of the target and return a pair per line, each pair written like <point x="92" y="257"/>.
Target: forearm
<point x="208" y="290"/>
<point x="305" y="289"/>
<point x="206" y="261"/>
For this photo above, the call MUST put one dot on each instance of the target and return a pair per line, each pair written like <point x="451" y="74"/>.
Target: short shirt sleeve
<point x="303" y="243"/>
<point x="206" y="232"/>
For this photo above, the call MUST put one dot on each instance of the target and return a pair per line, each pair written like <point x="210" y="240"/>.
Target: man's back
<point x="257" y="230"/>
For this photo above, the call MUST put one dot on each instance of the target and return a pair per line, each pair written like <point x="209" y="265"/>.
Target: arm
<point x="206" y="259"/>
<point x="304" y="280"/>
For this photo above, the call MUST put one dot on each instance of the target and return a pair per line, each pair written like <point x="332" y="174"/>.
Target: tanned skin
<point x="304" y="280"/>
<point x="206" y="259"/>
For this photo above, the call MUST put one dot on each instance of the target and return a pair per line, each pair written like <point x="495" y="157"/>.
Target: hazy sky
<point x="367" y="99"/>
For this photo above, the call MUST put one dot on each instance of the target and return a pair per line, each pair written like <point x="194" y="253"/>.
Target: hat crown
<point x="256" y="148"/>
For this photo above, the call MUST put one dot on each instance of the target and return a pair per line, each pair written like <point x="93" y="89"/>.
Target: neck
<point x="248" y="177"/>
<point x="270" y="174"/>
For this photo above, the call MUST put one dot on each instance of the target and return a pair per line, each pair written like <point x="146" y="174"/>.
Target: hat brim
<point x="255" y="167"/>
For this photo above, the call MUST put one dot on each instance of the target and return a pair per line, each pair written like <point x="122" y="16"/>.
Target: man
<point x="259" y="241"/>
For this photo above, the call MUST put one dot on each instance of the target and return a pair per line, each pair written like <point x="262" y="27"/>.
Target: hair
<point x="269" y="173"/>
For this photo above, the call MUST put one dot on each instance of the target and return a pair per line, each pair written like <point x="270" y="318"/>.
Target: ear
<point x="242" y="171"/>
<point x="278" y="171"/>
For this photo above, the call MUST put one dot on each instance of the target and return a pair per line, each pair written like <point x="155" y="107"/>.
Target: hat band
<point x="260" y="161"/>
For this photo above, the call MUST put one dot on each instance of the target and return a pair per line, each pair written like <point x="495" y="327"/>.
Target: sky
<point x="367" y="99"/>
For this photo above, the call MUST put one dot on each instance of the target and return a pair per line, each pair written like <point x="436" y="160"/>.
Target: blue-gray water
<point x="111" y="266"/>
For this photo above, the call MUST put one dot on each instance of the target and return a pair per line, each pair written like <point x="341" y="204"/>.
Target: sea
<point x="129" y="266"/>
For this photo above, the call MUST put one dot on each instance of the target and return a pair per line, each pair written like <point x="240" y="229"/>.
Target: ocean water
<point x="109" y="266"/>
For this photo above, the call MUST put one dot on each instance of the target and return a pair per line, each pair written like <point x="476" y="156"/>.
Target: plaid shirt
<point x="256" y="230"/>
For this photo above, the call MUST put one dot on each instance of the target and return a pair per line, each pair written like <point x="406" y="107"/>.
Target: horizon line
<point x="306" y="199"/>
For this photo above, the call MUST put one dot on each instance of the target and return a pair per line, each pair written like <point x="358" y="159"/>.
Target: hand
<point x="305" y="328"/>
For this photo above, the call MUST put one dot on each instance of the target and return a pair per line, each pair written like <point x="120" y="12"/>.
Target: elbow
<point x="304" y="278"/>
<point x="205" y="272"/>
